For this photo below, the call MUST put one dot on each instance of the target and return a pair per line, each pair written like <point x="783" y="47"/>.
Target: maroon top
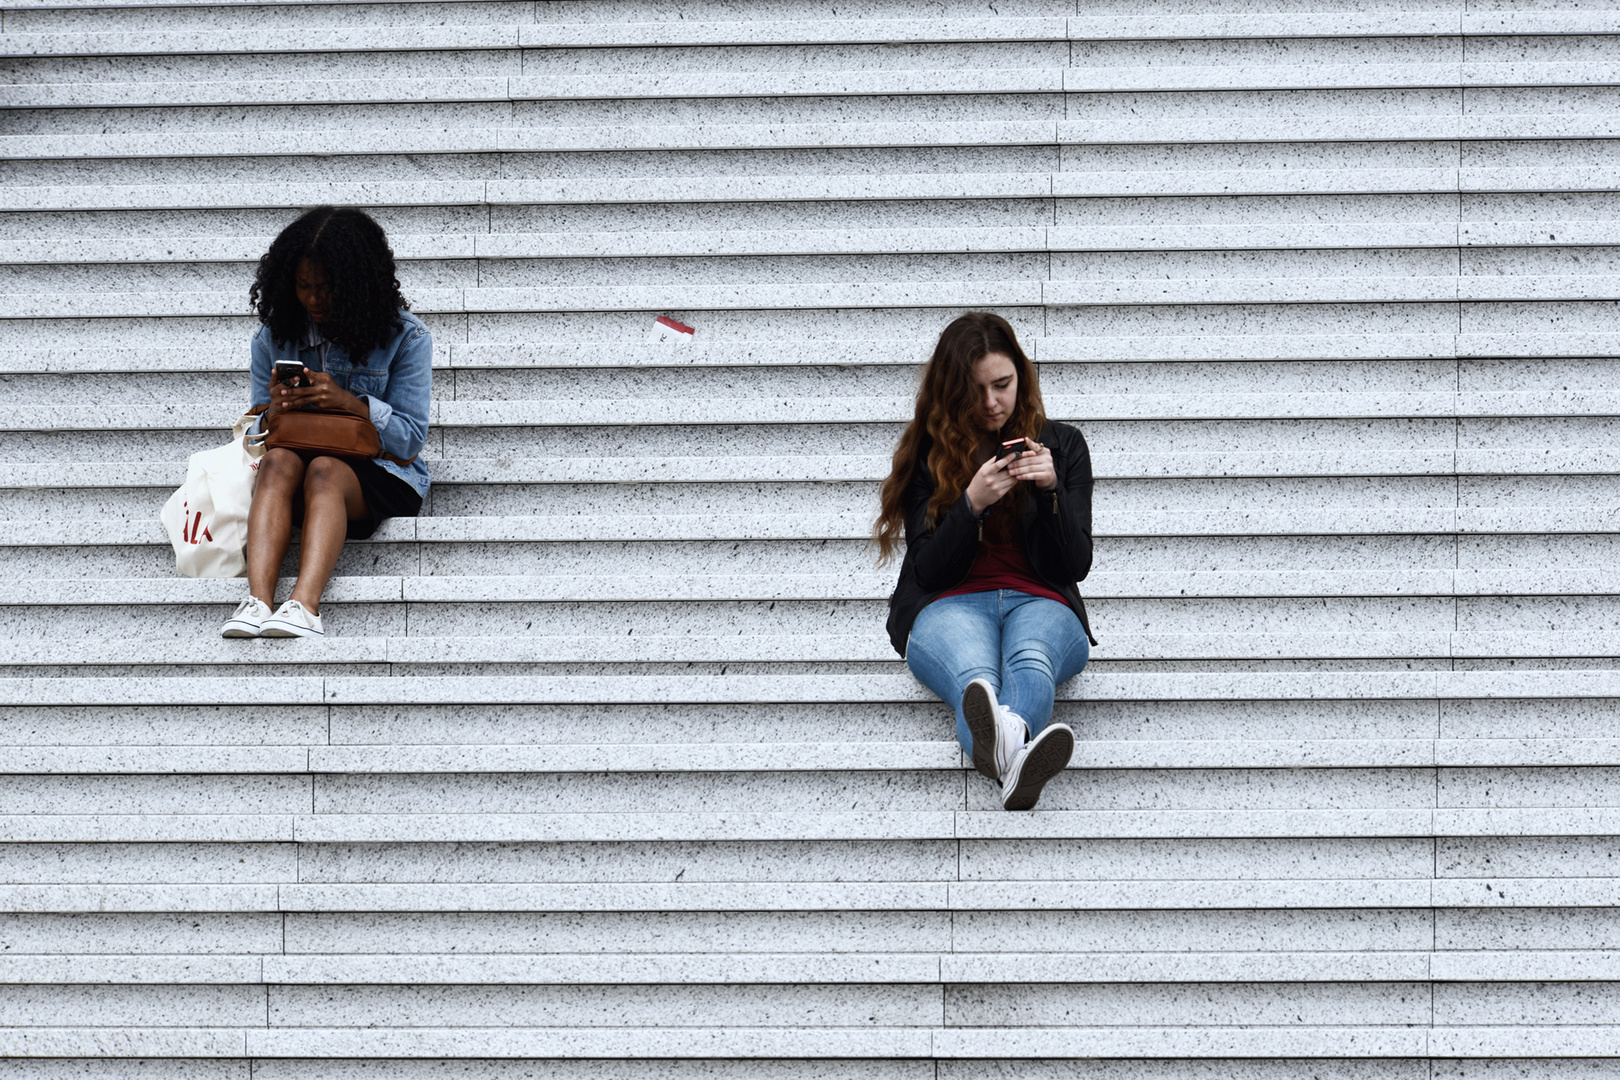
<point x="1000" y="562"/>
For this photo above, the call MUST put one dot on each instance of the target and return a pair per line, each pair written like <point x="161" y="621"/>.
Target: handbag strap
<point x="259" y="409"/>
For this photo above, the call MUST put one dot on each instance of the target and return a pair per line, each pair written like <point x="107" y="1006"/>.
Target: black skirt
<point x="386" y="495"/>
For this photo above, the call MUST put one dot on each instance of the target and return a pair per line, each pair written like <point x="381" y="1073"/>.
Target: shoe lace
<point x="293" y="608"/>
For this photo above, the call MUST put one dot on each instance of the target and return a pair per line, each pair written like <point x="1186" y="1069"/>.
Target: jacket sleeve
<point x="260" y="365"/>
<point x="1065" y="513"/>
<point x="259" y="368"/>
<point x="940" y="556"/>
<point x="410" y="382"/>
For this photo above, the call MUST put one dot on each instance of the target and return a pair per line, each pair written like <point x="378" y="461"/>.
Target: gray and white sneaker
<point x="1042" y="758"/>
<point x="997" y="733"/>
<point x="292" y="619"/>
<point x="248" y="619"/>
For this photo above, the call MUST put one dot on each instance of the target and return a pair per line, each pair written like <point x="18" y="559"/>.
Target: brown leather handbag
<point x="340" y="434"/>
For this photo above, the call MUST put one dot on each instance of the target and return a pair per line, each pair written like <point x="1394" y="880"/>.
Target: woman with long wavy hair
<point x="994" y="503"/>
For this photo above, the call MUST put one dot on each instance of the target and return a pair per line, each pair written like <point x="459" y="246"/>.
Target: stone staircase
<point x="608" y="769"/>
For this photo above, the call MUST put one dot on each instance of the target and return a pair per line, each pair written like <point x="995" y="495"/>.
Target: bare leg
<point x="281" y="476"/>
<point x="331" y="497"/>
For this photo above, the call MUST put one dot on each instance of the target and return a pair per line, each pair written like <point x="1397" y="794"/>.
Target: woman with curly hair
<point x="327" y="297"/>
<point x="994" y="502"/>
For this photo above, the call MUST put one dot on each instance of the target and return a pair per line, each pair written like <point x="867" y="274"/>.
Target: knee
<point x="323" y="474"/>
<point x="1032" y="657"/>
<point x="279" y="469"/>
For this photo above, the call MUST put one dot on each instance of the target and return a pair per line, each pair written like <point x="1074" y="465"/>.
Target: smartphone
<point x="1013" y="446"/>
<point x="290" y="373"/>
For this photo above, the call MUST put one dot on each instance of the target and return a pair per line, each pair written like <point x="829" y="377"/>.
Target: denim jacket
<point x="394" y="383"/>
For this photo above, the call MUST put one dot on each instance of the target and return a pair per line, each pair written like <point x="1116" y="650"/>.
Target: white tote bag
<point x="207" y="517"/>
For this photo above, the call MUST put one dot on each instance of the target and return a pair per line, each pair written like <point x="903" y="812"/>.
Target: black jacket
<point x="1056" y="527"/>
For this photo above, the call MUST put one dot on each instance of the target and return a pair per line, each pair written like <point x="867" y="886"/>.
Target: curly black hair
<point x="359" y="265"/>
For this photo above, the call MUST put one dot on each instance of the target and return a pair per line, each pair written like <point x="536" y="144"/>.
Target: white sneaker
<point x="248" y="620"/>
<point x="997" y="732"/>
<point x="1011" y="735"/>
<point x="1046" y="755"/>
<point x="292" y="619"/>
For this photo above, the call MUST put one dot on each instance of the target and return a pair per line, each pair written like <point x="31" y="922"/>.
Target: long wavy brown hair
<point x="946" y="407"/>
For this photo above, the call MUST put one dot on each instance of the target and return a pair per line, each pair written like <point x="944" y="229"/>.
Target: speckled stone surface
<point x="1254" y="1069"/>
<point x="920" y="860"/>
<point x="673" y="723"/>
<point x="615" y="932"/>
<point x="639" y="793"/>
<point x="120" y="1069"/>
<point x="159" y="863"/>
<point x="1557" y="928"/>
<point x="132" y="1006"/>
<point x="603" y="1006"/>
<point x="599" y="1070"/>
<point x="142" y="933"/>
<point x="155" y="796"/>
<point x="1120" y="859"/>
<point x="1010" y="1006"/>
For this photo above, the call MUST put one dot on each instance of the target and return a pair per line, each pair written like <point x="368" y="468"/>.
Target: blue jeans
<point x="1022" y="645"/>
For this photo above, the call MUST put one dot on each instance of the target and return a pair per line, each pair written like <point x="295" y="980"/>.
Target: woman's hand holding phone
<point x="321" y="393"/>
<point x="990" y="483"/>
<point x="283" y="376"/>
<point x="997" y="476"/>
<point x="1035" y="465"/>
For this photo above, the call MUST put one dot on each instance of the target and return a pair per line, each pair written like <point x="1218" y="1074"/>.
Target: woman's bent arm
<point x="403" y="432"/>
<point x="942" y="555"/>
<point x="1066" y="512"/>
<point x="259" y="370"/>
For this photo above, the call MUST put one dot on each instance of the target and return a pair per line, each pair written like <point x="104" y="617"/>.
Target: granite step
<point x="1352" y="461"/>
<point x="17" y="357"/>
<point x="62" y="652"/>
<point x="1480" y="287"/>
<point x="771" y="405"/>
<point x="1418" y="126"/>
<point x="787" y="688"/>
<point x="185" y="193"/>
<point x="682" y="584"/>
<point x="1255" y="236"/>
<point x="1112" y="520"/>
<point x="676" y="758"/>
<point x="883" y="825"/>
<point x="54" y="32"/>
<point x="632" y="85"/>
<point x="875" y="968"/>
<point x="608" y="33"/>
<point x="1354" y="892"/>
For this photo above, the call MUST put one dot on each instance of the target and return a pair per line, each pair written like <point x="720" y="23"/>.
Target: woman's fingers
<point x="301" y="398"/>
<point x="1036" y="467"/>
